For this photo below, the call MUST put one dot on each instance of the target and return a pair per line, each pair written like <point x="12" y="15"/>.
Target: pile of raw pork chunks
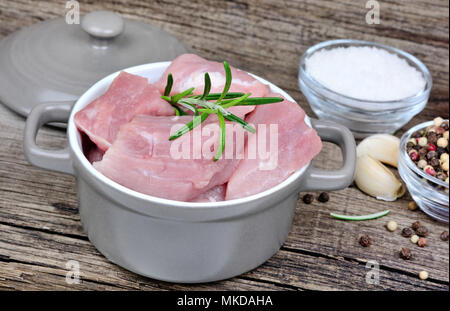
<point x="130" y="126"/>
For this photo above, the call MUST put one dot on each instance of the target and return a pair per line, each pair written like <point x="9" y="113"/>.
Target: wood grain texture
<point x="39" y="223"/>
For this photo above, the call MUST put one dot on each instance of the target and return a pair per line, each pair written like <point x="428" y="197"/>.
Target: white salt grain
<point x="367" y="73"/>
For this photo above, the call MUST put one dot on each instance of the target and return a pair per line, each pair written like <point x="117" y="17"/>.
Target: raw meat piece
<point x="141" y="159"/>
<point x="297" y="145"/>
<point x="215" y="194"/>
<point x="127" y="96"/>
<point x="188" y="71"/>
<point x="95" y="154"/>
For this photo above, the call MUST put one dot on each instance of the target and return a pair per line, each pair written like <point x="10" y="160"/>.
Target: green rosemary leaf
<point x="189" y="106"/>
<point x="179" y="96"/>
<point x="166" y="98"/>
<point x="236" y="101"/>
<point x="215" y="96"/>
<point x="362" y="217"/>
<point x="195" y="101"/>
<point x="228" y="79"/>
<point x="215" y="108"/>
<point x="168" y="85"/>
<point x="207" y="88"/>
<point x="245" y="125"/>
<point x="221" y="146"/>
<point x="190" y="126"/>
<point x="178" y="111"/>
<point x="253" y="101"/>
<point x="207" y="110"/>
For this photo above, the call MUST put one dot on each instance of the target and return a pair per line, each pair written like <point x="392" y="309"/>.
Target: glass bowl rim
<point x="409" y="101"/>
<point x="409" y="163"/>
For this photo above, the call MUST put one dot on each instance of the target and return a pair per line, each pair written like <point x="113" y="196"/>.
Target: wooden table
<point x="40" y="227"/>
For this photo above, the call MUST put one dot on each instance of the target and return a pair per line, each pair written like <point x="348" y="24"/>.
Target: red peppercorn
<point x="422" y="242"/>
<point x="431" y="147"/>
<point x="413" y="155"/>
<point x="430" y="171"/>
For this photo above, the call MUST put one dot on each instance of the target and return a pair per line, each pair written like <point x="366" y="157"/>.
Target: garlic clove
<point x="373" y="178"/>
<point x="382" y="147"/>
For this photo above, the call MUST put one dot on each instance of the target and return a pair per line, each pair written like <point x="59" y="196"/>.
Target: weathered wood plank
<point x="48" y="253"/>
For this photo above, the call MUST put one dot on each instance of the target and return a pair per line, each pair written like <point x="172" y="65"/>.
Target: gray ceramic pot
<point x="177" y="241"/>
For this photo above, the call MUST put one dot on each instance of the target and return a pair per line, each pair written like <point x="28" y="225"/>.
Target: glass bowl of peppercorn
<point x="423" y="165"/>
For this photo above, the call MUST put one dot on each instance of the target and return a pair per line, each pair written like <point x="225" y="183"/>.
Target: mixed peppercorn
<point x="417" y="234"/>
<point x="429" y="149"/>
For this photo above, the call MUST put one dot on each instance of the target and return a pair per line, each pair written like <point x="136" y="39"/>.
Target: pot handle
<point x="319" y="179"/>
<point x="55" y="160"/>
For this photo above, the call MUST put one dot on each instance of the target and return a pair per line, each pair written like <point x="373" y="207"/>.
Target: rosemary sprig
<point x="362" y="217"/>
<point x="190" y="126"/>
<point x="207" y="88"/>
<point x="254" y="101"/>
<point x="203" y="106"/>
<point x="169" y="85"/>
<point x="166" y="96"/>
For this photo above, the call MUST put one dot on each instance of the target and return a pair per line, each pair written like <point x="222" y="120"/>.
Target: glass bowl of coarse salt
<point x="368" y="87"/>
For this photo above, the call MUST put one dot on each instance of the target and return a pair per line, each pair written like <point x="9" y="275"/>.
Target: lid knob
<point x="102" y="24"/>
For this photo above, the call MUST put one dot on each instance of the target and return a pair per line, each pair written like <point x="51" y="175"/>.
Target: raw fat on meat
<point x="297" y="145"/>
<point x="141" y="159"/>
<point x="127" y="96"/>
<point x="188" y="70"/>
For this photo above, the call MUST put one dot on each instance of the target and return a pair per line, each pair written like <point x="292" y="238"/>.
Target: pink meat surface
<point x="127" y="96"/>
<point x="188" y="71"/>
<point x="141" y="159"/>
<point x="297" y="145"/>
<point x="215" y="194"/>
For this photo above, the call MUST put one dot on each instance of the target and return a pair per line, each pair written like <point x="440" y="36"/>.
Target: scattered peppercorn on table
<point x="40" y="229"/>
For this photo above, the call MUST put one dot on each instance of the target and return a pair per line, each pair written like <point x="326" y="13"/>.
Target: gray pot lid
<point x="53" y="61"/>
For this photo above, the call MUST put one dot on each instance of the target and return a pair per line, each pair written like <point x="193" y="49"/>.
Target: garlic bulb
<point x="382" y="147"/>
<point x="373" y="178"/>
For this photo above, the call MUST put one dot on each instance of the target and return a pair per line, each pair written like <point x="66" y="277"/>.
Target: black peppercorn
<point x="435" y="163"/>
<point x="415" y="225"/>
<point x="407" y="232"/>
<point x="308" y="198"/>
<point x="432" y="137"/>
<point x="323" y="197"/>
<point x="416" y="134"/>
<point x="422" y="231"/>
<point x="422" y="152"/>
<point x="405" y="253"/>
<point x="444" y="236"/>
<point x="440" y="151"/>
<point x="432" y="155"/>
<point x="409" y="145"/>
<point x="365" y="240"/>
